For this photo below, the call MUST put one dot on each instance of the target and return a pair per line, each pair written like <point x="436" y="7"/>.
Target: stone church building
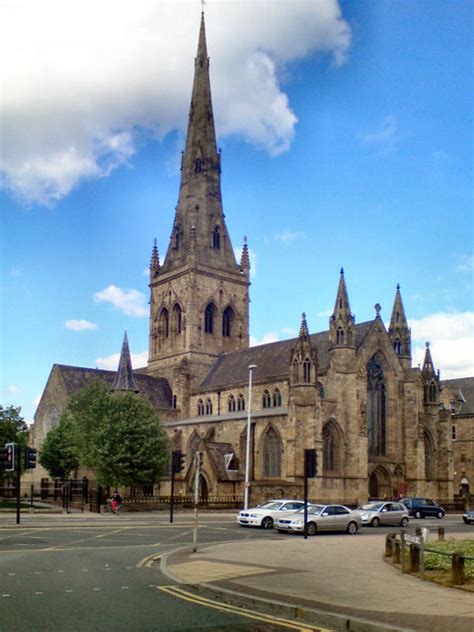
<point x="377" y="423"/>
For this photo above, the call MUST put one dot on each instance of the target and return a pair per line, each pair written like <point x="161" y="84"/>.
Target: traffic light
<point x="177" y="461"/>
<point x="310" y="463"/>
<point x="30" y="458"/>
<point x="8" y="454"/>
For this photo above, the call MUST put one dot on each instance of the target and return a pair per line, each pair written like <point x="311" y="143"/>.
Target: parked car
<point x="320" y="518"/>
<point x="265" y="514"/>
<point x="468" y="517"/>
<point x="422" y="507"/>
<point x="381" y="512"/>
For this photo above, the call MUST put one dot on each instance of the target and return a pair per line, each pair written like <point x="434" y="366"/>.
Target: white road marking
<point x="39" y="593"/>
<point x="96" y="589"/>
<point x="84" y="570"/>
<point x="124" y="587"/>
<point x="5" y="595"/>
<point x="11" y="574"/>
<point x="68" y="590"/>
<point x="38" y="572"/>
<point x="61" y="571"/>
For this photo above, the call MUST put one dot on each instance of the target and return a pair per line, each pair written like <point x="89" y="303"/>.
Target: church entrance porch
<point x="380" y="486"/>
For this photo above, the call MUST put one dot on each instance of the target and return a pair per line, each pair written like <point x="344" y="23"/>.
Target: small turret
<point x="430" y="379"/>
<point x="399" y="332"/>
<point x="303" y="362"/>
<point x="245" y="259"/>
<point x="341" y="323"/>
<point x="155" y="261"/>
<point x="124" y="380"/>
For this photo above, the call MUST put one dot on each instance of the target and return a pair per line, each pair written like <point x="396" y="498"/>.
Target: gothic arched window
<point x="340" y="336"/>
<point x="227" y="318"/>
<point x="376" y="408"/>
<point x="397" y="345"/>
<point x="331" y="448"/>
<point x="197" y="166"/>
<point x="177" y="319"/>
<point x="164" y="323"/>
<point x="307" y="371"/>
<point x="177" y="238"/>
<point x="429" y="457"/>
<point x="277" y="398"/>
<point x="231" y="403"/>
<point x="216" y="238"/>
<point x="241" y="402"/>
<point x="209" y="318"/>
<point x="349" y="336"/>
<point x="272" y="455"/>
<point x="208" y="407"/>
<point x="200" y="407"/>
<point x="266" y="399"/>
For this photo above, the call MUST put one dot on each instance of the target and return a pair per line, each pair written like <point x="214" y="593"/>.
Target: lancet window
<point x="209" y="318"/>
<point x="272" y="451"/>
<point x="376" y="408"/>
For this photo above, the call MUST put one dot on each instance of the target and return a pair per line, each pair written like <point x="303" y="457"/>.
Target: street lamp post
<point x="247" y="446"/>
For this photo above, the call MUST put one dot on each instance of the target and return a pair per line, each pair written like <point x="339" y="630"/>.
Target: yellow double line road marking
<point x="175" y="591"/>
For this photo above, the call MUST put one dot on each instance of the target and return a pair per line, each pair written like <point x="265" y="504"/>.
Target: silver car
<point x="264" y="515"/>
<point x="321" y="518"/>
<point x="382" y="512"/>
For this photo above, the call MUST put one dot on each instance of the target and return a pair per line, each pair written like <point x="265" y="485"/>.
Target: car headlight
<point x="364" y="516"/>
<point x="297" y="523"/>
<point x="254" y="515"/>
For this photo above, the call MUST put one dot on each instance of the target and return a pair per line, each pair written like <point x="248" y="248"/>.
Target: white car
<point x="265" y="514"/>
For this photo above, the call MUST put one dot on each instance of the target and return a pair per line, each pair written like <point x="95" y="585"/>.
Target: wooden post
<point x="396" y="552"/>
<point x="403" y="549"/>
<point x="414" y="558"/>
<point x="388" y="545"/>
<point x="457" y="575"/>
<point x="440" y="534"/>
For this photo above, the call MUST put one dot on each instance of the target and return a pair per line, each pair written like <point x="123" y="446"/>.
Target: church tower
<point x="399" y="332"/>
<point x="199" y="303"/>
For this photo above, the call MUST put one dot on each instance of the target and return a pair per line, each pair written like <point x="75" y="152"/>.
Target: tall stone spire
<point x="399" y="332"/>
<point x="430" y="379"/>
<point x="124" y="380"/>
<point x="200" y="201"/>
<point x="341" y="323"/>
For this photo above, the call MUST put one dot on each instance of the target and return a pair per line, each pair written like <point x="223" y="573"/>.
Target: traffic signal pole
<point x="172" y="494"/>
<point x="18" y="484"/>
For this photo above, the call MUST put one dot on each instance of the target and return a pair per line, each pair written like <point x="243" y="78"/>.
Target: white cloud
<point x="451" y="337"/>
<point x="385" y="136"/>
<point x="13" y="390"/>
<point x="110" y="363"/>
<point x="80" y="325"/>
<point x="87" y="82"/>
<point x="271" y="336"/>
<point x="130" y="302"/>
<point x="287" y="236"/>
<point x="466" y="264"/>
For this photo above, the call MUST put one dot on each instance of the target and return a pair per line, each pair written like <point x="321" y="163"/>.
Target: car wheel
<point x="404" y="522"/>
<point x="417" y="514"/>
<point x="311" y="528"/>
<point x="267" y="523"/>
<point x="440" y="515"/>
<point x="375" y="522"/>
<point x="466" y="521"/>
<point x="352" y="528"/>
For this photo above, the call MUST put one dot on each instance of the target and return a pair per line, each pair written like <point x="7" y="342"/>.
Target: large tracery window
<point x="272" y="455"/>
<point x="331" y="443"/>
<point x="376" y="408"/>
<point x="209" y="319"/>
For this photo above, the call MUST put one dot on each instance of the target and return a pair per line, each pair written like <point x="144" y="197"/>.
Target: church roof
<point x="272" y="359"/>
<point x="463" y="389"/>
<point x="217" y="452"/>
<point x="156" y="389"/>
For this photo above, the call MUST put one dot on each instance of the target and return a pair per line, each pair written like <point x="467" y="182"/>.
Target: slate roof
<point x="272" y="359"/>
<point x="156" y="389"/>
<point x="463" y="388"/>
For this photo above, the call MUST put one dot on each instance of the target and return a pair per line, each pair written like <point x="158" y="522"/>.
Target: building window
<point x="197" y="166"/>
<point x="266" y="399"/>
<point x="216" y="238"/>
<point x="175" y="402"/>
<point x="307" y="371"/>
<point x="453" y="432"/>
<point x="241" y="402"/>
<point x="208" y="407"/>
<point x="177" y="319"/>
<point x="340" y="336"/>
<point x="272" y="455"/>
<point x="349" y="336"/>
<point x="164" y="323"/>
<point x="231" y="404"/>
<point x="177" y="238"/>
<point x="227" y="318"/>
<point x="429" y="456"/>
<point x="277" y="398"/>
<point x="376" y="408"/>
<point x="209" y="319"/>
<point x="397" y="345"/>
<point x="330" y="447"/>
<point x="200" y="407"/>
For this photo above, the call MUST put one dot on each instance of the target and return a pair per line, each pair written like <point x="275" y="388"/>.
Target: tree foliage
<point x="12" y="426"/>
<point x="119" y="435"/>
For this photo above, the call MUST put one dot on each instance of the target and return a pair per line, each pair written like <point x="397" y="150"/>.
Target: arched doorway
<point x="380" y="486"/>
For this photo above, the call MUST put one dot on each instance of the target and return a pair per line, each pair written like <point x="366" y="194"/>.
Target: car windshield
<point x="371" y="506"/>
<point x="312" y="509"/>
<point x="269" y="505"/>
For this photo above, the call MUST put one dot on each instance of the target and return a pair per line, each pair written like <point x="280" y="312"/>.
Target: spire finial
<point x="398" y="287"/>
<point x="342" y="271"/>
<point x="124" y="380"/>
<point x="378" y="309"/>
<point x="155" y="259"/>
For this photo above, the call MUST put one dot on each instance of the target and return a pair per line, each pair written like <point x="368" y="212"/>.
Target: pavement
<point x="339" y="581"/>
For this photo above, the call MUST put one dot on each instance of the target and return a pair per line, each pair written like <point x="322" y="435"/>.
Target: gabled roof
<point x="217" y="453"/>
<point x="156" y="389"/>
<point x="463" y="390"/>
<point x="272" y="359"/>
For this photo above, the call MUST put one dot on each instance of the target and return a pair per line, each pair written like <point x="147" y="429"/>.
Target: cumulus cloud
<point x="451" y="337"/>
<point x="273" y="336"/>
<point x="130" y="302"/>
<point x="80" y="325"/>
<point x="87" y="82"/>
<point x="110" y="362"/>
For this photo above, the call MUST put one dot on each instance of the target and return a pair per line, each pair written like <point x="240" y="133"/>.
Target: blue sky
<point x="355" y="150"/>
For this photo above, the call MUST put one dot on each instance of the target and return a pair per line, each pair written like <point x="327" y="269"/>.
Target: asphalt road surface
<point x="79" y="575"/>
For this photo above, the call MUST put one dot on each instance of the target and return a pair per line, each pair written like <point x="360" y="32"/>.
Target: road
<point x="102" y="573"/>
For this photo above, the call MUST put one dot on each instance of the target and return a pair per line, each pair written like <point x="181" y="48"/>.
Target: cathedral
<point x="379" y="425"/>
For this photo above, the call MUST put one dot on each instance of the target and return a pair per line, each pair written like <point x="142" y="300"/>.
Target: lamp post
<point x="247" y="446"/>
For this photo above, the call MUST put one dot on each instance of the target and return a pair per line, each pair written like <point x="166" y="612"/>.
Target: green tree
<point x="59" y="454"/>
<point x="12" y="426"/>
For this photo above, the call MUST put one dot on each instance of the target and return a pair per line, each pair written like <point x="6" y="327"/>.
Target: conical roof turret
<point x="398" y="318"/>
<point x="428" y="369"/>
<point x="124" y="380"/>
<point x="341" y="322"/>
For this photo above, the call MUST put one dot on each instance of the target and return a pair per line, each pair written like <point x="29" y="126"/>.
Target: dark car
<point x="423" y="507"/>
<point x="468" y="517"/>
